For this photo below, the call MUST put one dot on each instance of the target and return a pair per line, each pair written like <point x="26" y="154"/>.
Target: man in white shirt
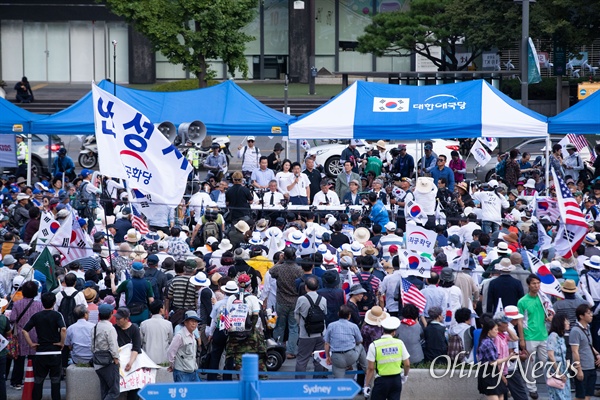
<point x="326" y="196"/>
<point x="467" y="226"/>
<point x="491" y="207"/>
<point x="272" y="198"/>
<point x="157" y="333"/>
<point x="198" y="201"/>
<point x="68" y="290"/>
<point x="250" y="156"/>
<point x="262" y="175"/>
<point x="298" y="186"/>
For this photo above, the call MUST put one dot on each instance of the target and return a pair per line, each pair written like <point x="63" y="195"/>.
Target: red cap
<point x="393" y="248"/>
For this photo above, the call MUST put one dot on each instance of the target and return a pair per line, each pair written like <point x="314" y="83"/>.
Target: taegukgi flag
<point x="480" y="154"/>
<point x="489" y="142"/>
<point x="129" y="147"/>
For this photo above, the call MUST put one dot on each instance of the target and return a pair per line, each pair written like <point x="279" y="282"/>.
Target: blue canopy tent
<point x="367" y="110"/>
<point x="583" y="117"/>
<point x="225" y="109"/>
<point x="11" y="115"/>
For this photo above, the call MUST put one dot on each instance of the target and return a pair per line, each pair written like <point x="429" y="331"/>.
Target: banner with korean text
<point x="129" y="147"/>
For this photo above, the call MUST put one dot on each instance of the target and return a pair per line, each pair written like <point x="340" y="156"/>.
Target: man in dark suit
<point x="342" y="183"/>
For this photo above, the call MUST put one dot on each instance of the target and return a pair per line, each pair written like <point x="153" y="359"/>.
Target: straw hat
<point x="463" y="186"/>
<point x="375" y="315"/>
<point x="361" y="235"/>
<point x="90" y="294"/>
<point x="132" y="236"/>
<point x="369" y="251"/>
<point x="242" y="226"/>
<point x="262" y="224"/>
<point x="380" y="143"/>
<point x="138" y="253"/>
<point x="569" y="286"/>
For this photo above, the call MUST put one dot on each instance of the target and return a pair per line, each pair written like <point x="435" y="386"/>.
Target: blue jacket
<point x="447" y="173"/>
<point x="379" y="215"/>
<point x="63" y="164"/>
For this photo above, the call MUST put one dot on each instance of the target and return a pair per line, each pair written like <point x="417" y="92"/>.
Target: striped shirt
<point x="177" y="290"/>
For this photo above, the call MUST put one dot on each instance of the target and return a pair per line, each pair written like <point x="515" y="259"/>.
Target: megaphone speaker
<point x="194" y="131"/>
<point x="168" y="130"/>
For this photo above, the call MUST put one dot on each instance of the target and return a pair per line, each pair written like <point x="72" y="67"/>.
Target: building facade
<point x="72" y="41"/>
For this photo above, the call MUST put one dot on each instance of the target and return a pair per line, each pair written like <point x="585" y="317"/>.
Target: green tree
<point x="191" y="32"/>
<point x="572" y="23"/>
<point x="456" y="26"/>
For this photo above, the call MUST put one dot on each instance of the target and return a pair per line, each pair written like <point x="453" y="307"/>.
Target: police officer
<point x="22" y="156"/>
<point x="387" y="357"/>
<point x="193" y="156"/>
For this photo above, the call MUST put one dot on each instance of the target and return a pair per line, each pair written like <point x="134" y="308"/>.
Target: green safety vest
<point x="193" y="157"/>
<point x="388" y="356"/>
<point x="22" y="147"/>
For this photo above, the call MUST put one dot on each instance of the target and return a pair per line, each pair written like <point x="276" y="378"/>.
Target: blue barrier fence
<point x="249" y="387"/>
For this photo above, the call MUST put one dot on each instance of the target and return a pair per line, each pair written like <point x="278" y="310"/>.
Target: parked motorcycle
<point x="223" y="142"/>
<point x="88" y="156"/>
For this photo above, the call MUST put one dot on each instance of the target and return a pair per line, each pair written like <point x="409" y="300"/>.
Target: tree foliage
<point x="191" y="32"/>
<point x="572" y="23"/>
<point x="456" y="26"/>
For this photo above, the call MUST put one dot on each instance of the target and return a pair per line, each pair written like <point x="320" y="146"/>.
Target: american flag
<point x="574" y="227"/>
<point x="412" y="295"/>
<point x="225" y="320"/>
<point x="138" y="222"/>
<point x="580" y="142"/>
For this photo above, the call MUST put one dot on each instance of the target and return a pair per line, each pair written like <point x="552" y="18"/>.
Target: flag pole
<point x="110" y="258"/>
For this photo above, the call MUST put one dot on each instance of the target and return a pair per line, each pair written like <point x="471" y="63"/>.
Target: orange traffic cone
<point x="28" y="386"/>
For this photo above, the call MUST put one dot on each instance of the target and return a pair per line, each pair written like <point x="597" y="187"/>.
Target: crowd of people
<point x="233" y="264"/>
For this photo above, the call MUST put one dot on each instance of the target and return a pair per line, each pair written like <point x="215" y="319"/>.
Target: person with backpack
<point x="242" y="335"/>
<point x="250" y="156"/>
<point x="241" y="267"/>
<point x="367" y="281"/>
<point x="85" y="200"/>
<point x="460" y="337"/>
<point x="310" y="312"/>
<point x="211" y="224"/>
<point x="68" y="298"/>
<point x="138" y="293"/>
<point x="157" y="279"/>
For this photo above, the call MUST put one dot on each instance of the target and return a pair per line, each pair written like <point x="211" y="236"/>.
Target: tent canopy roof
<point x="11" y="114"/>
<point x="583" y="117"/>
<point x="225" y="109"/>
<point x="367" y="110"/>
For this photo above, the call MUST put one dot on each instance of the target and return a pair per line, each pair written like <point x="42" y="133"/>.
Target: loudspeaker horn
<point x="194" y="131"/>
<point x="168" y="130"/>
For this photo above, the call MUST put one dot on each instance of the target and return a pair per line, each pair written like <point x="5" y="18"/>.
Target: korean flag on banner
<point x="462" y="262"/>
<point x="385" y="104"/>
<point x="489" y="142"/>
<point x="414" y="212"/>
<point x="420" y="239"/>
<point x="129" y="147"/>
<point x="413" y="263"/>
<point x="480" y="154"/>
